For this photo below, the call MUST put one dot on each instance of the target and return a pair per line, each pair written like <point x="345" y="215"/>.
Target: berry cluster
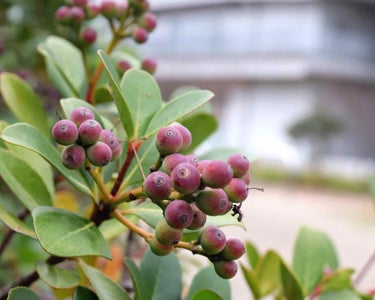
<point x="189" y="189"/>
<point x="84" y="138"/>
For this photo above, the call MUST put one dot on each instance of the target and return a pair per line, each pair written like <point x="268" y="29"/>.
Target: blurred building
<point x="272" y="63"/>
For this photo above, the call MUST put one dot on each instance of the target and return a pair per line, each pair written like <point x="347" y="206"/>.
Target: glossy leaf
<point x="15" y="224"/>
<point x="162" y="274"/>
<point x="340" y="295"/>
<point x="27" y="136"/>
<point x="207" y="279"/>
<point x="23" y="102"/>
<point x="138" y="284"/>
<point x="66" y="234"/>
<point x="313" y="251"/>
<point x="105" y="288"/>
<point x="22" y="293"/>
<point x="121" y="103"/>
<point x="292" y="290"/>
<point x="65" y="66"/>
<point x="177" y="108"/>
<point x="82" y="293"/>
<point x="142" y="95"/>
<point x="57" y="277"/>
<point x="206" y="295"/>
<point x="252" y="254"/>
<point x="22" y="179"/>
<point x="201" y="126"/>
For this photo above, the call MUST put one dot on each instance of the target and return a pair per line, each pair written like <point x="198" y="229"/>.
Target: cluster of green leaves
<point x="314" y="271"/>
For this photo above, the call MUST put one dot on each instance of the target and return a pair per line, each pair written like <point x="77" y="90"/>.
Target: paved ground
<point x="274" y="217"/>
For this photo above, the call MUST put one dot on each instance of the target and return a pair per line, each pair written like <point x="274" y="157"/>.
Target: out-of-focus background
<point x="294" y="84"/>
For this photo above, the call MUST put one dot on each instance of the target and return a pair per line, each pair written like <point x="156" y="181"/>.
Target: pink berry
<point x="213" y="202"/>
<point x="99" y="154"/>
<point x="157" y="185"/>
<point x="226" y="269"/>
<point x="217" y="174"/>
<point x="149" y="65"/>
<point x="185" y="178"/>
<point x="92" y="10"/>
<point x="171" y="161"/>
<point x="148" y="21"/>
<point x="63" y="14"/>
<point x="212" y="240"/>
<point x="73" y="157"/>
<point x="178" y="214"/>
<point x="123" y="65"/>
<point x="89" y="132"/>
<point x="65" y="132"/>
<point x="168" y="140"/>
<point x="239" y="164"/>
<point x="109" y="8"/>
<point x="78" y="14"/>
<point x="140" y="35"/>
<point x="234" y="249"/>
<point x="186" y="136"/>
<point x="236" y="190"/>
<point x="88" y="35"/>
<point x="81" y="3"/>
<point x="80" y="114"/>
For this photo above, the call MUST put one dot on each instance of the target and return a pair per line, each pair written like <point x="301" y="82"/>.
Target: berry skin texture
<point x="140" y="35"/>
<point x="236" y="190"/>
<point x="157" y="186"/>
<point x="80" y="114"/>
<point x="233" y="249"/>
<point x="89" y="132"/>
<point x="185" y="178"/>
<point x="213" y="202"/>
<point x="239" y="164"/>
<point x="186" y="136"/>
<point x="171" y="161"/>
<point x="226" y="269"/>
<point x="217" y="174"/>
<point x="179" y="214"/>
<point x="73" y="157"/>
<point x="167" y="235"/>
<point x="212" y="240"/>
<point x="168" y="140"/>
<point x="158" y="248"/>
<point x="199" y="218"/>
<point x="65" y="132"/>
<point x="99" y="154"/>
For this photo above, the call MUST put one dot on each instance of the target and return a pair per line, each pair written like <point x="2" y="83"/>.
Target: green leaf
<point x="65" y="66"/>
<point x="15" y="224"/>
<point x="135" y="274"/>
<point x="102" y="94"/>
<point x="82" y="293"/>
<point x="23" y="102"/>
<point x="267" y="273"/>
<point x="142" y="95"/>
<point x="162" y="275"/>
<point x="207" y="279"/>
<point x="313" y="251"/>
<point x="66" y="234"/>
<point x="252" y="254"/>
<point x="337" y="280"/>
<point x="57" y="277"/>
<point x="22" y="293"/>
<point x="206" y="295"/>
<point x="252" y="281"/>
<point x="177" y="108"/>
<point x="340" y="295"/>
<point x="27" y="136"/>
<point x="103" y="285"/>
<point x="201" y="126"/>
<point x="22" y="179"/>
<point x="148" y="212"/>
<point x="292" y="290"/>
<point x="122" y="106"/>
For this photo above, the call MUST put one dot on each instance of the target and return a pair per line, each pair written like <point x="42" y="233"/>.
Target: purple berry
<point x="89" y="132"/>
<point x="178" y="214"/>
<point x="234" y="249"/>
<point x="65" y="132"/>
<point x="201" y="164"/>
<point x="192" y="159"/>
<point x="199" y="218"/>
<point x="168" y="140"/>
<point x="217" y="174"/>
<point x="99" y="154"/>
<point x="88" y="35"/>
<point x="236" y="190"/>
<point x="166" y="234"/>
<point x="109" y="9"/>
<point x="111" y="140"/>
<point x="171" y="161"/>
<point x="63" y="14"/>
<point x="185" y="178"/>
<point x="158" y="248"/>
<point x="149" y="65"/>
<point x="226" y="269"/>
<point x="186" y="136"/>
<point x="116" y="152"/>
<point x="80" y="114"/>
<point x="123" y="65"/>
<point x="78" y="14"/>
<point x="73" y="157"/>
<point x="148" y="21"/>
<point x="157" y="185"/>
<point x="213" y="202"/>
<point x="212" y="240"/>
<point x="140" y="35"/>
<point x="92" y="10"/>
<point x="239" y="164"/>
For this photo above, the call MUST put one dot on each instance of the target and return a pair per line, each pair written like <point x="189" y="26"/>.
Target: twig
<point x="363" y="272"/>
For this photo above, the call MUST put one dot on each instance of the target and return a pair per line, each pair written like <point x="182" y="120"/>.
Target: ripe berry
<point x="123" y="65"/>
<point x="185" y="178"/>
<point x="139" y="35"/>
<point x="199" y="218"/>
<point x="149" y="65"/>
<point x="192" y="159"/>
<point x="63" y="14"/>
<point x="213" y="202"/>
<point x="99" y="154"/>
<point x="239" y="164"/>
<point x="236" y="190"/>
<point x="226" y="269"/>
<point x="65" y="132"/>
<point x="186" y="136"/>
<point x="78" y="14"/>
<point x="201" y="164"/>
<point x="158" y="248"/>
<point x="88" y="35"/>
<point x="148" y="21"/>
<point x="73" y="157"/>
<point x="233" y="249"/>
<point x="80" y="114"/>
<point x="92" y="10"/>
<point x="168" y="140"/>
<point x="111" y="140"/>
<point x="217" y="174"/>
<point x="109" y="9"/>
<point x="89" y="132"/>
<point x="212" y="240"/>
<point x="157" y="185"/>
<point x="116" y="152"/>
<point x="171" y="161"/>
<point x="178" y="214"/>
<point x="167" y="235"/>
<point x="246" y="178"/>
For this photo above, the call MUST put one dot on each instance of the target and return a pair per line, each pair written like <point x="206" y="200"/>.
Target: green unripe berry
<point x="167" y="235"/>
<point x="158" y="248"/>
